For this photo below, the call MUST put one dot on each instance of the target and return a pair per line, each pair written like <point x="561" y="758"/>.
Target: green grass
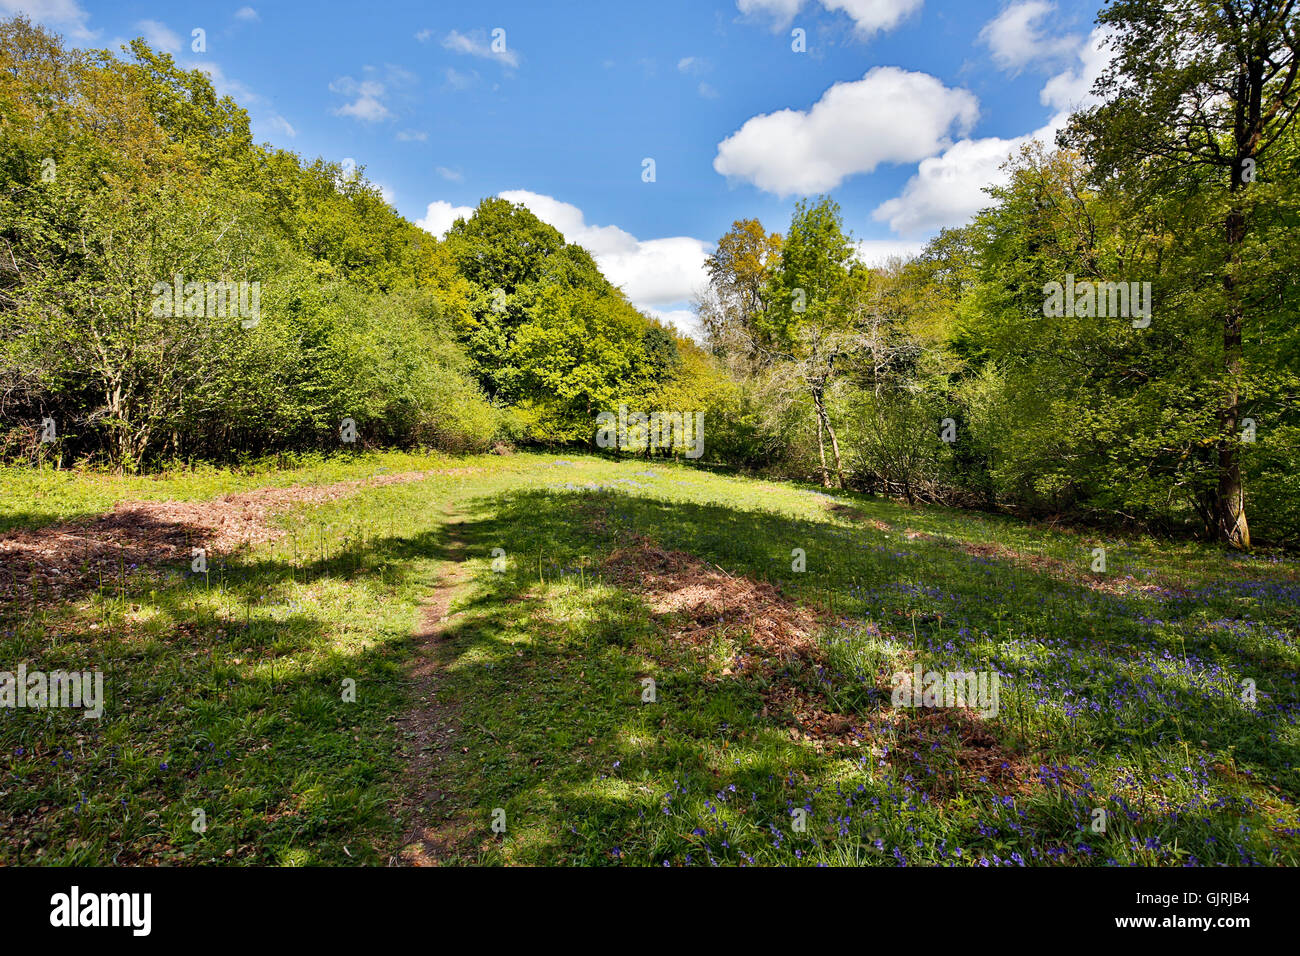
<point x="30" y="497"/>
<point x="1120" y="691"/>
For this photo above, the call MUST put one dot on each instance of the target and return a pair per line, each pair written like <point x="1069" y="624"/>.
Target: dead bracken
<point x="61" y="561"/>
<point x="697" y="601"/>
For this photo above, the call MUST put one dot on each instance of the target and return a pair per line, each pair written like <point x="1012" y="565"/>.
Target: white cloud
<point x="569" y="219"/>
<point x="247" y="13"/>
<point x="1072" y="89"/>
<point x="476" y="43"/>
<point x="452" y="175"/>
<point x="781" y="12"/>
<point x="283" y="125"/>
<point x="948" y="189"/>
<point x="890" y="115"/>
<point x="707" y="91"/>
<point x="367" y="105"/>
<point x="460" y="81"/>
<point x="440" y="215"/>
<point x="158" y="36"/>
<point x="653" y="273"/>
<point x="1017" y="37"/>
<point x="876" y="252"/>
<point x="869" y="16"/>
<point x="412" y="136"/>
<point x="659" y="276"/>
<point x="684" y="320"/>
<point x="64" y="15"/>
<point x="658" y="271"/>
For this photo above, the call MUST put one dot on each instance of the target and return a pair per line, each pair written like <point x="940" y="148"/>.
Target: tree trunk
<point x="1230" y="499"/>
<point x="821" y="450"/>
<point x="824" y="421"/>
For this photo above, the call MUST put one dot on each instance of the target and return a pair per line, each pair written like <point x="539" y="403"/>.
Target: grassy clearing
<point x="30" y="497"/>
<point x="1120" y="691"/>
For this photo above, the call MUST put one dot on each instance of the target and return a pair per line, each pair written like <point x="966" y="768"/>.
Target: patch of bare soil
<point x="435" y="827"/>
<point x="65" y="560"/>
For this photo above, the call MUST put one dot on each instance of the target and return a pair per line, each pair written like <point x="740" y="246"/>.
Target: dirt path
<point x="434" y="827"/>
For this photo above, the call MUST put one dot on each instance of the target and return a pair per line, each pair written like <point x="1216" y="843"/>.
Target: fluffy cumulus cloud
<point x="653" y="273"/>
<point x="659" y="276"/>
<point x="869" y="16"/>
<point x="1072" y="89"/>
<point x="872" y="16"/>
<point x="888" y="116"/>
<point x="440" y="215"/>
<point x="948" y="189"/>
<point x="1020" y="36"/>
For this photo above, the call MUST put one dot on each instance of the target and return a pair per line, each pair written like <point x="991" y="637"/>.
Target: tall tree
<point x="806" y="321"/>
<point x="739" y="269"/>
<point x="1201" y="90"/>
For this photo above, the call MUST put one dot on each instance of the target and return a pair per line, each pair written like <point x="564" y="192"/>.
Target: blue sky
<point x="900" y="109"/>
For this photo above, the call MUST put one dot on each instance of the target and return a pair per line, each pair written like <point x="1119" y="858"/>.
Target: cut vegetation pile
<point x="58" y="562"/>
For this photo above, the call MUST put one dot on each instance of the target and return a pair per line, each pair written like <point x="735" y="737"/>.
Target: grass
<point x="32" y="497"/>
<point x="1120" y="691"/>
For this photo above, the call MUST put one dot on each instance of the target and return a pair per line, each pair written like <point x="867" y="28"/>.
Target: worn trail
<point x="435" y="828"/>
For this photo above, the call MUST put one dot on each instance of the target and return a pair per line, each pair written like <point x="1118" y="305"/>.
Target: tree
<point x="580" y="353"/>
<point x="739" y="269"/>
<point x="1201" y="90"/>
<point x="806" y="322"/>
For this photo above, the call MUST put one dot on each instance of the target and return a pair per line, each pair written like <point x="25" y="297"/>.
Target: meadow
<point x="541" y="659"/>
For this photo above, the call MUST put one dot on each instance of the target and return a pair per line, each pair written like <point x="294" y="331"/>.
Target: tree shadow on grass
<point x="552" y="676"/>
<point x="232" y="705"/>
<point x="224" y="695"/>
